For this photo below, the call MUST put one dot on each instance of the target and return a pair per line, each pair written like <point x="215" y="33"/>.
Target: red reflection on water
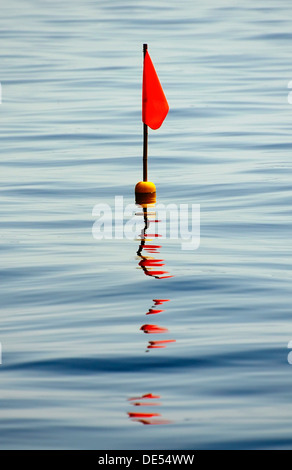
<point x="148" y="396"/>
<point x="155" y="329"/>
<point x="139" y="403"/>
<point x="151" y="311"/>
<point x="160" y="301"/>
<point x="150" y="235"/>
<point x="149" y="266"/>
<point x="152" y="247"/>
<point x="152" y="418"/>
<point x="142" y="415"/>
<point x="156" y="346"/>
<point x="152" y="421"/>
<point x="160" y="344"/>
<point x="155" y="273"/>
<point x="151" y="262"/>
<point x="163" y="341"/>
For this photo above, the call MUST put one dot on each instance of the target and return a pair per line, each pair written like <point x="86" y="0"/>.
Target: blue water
<point x="76" y="365"/>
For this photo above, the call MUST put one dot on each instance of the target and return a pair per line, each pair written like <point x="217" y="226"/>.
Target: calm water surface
<point x="87" y="360"/>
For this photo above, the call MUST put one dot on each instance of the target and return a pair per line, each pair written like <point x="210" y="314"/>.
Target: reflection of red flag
<point x="154" y="103"/>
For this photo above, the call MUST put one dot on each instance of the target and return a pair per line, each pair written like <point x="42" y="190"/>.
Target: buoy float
<point x="145" y="187"/>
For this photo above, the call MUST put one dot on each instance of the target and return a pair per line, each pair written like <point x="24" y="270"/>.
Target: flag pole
<point x="145" y="135"/>
<point x="145" y="191"/>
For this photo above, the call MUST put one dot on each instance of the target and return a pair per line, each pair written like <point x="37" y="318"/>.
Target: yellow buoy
<point x="145" y="187"/>
<point x="145" y="193"/>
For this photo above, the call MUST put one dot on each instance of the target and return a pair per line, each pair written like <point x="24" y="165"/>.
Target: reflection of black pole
<point x="146" y="221"/>
<point x="143" y="242"/>
<point x="145" y="135"/>
<point x="143" y="232"/>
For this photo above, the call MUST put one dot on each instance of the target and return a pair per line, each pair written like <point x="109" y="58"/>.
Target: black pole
<point x="145" y="134"/>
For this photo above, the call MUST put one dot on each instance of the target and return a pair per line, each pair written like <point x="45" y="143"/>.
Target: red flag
<point x="154" y="103"/>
